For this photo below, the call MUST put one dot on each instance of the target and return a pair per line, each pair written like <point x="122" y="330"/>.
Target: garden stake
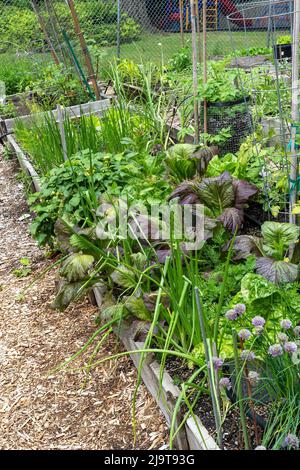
<point x="187" y="21"/>
<point x="199" y="29"/>
<point x="204" y="65"/>
<point x="84" y="48"/>
<point x="58" y="22"/>
<point x="214" y="398"/>
<point x="78" y="67"/>
<point x="195" y="74"/>
<point x="44" y="29"/>
<point x="181" y="22"/>
<point x="239" y="389"/>
<point x="52" y="17"/>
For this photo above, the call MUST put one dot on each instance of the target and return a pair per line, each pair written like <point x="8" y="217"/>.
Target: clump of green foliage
<point x="73" y="189"/>
<point x="18" y="70"/>
<point x="19" y="26"/>
<point x="57" y="85"/>
<point x="7" y="111"/>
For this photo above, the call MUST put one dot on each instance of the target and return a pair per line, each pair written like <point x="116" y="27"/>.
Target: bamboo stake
<point x="55" y="23"/>
<point x="84" y="48"/>
<point x="204" y="23"/>
<point x="295" y="107"/>
<point x="199" y="29"/>
<point x="181" y="21"/>
<point x="44" y="29"/>
<point x="53" y="26"/>
<point x="195" y="72"/>
<point x="187" y="19"/>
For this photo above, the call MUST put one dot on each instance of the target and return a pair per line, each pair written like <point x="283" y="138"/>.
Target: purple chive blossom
<point x="253" y="377"/>
<point x="244" y="334"/>
<point x="260" y="448"/>
<point x="286" y="324"/>
<point x="290" y="347"/>
<point x="247" y="355"/>
<point x="239" y="309"/>
<point x="283" y="338"/>
<point x="292" y="441"/>
<point x="275" y="350"/>
<point x="225" y="383"/>
<point x="231" y="315"/>
<point x="217" y="363"/>
<point x="258" y="321"/>
<point x="297" y="330"/>
<point x="259" y="330"/>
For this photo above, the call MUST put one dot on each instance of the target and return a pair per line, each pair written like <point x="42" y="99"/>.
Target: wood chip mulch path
<point x="70" y="409"/>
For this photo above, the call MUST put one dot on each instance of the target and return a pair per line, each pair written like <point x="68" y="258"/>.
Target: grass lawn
<point x="152" y="47"/>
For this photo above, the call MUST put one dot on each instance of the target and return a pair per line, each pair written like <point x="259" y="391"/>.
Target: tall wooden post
<point x="84" y="48"/>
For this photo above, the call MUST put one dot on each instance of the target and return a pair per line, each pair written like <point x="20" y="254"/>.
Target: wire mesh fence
<point x="141" y="30"/>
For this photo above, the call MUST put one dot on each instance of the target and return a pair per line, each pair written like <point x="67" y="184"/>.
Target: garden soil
<point x="71" y="409"/>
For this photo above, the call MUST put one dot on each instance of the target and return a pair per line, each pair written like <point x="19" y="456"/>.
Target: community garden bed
<point x="210" y="315"/>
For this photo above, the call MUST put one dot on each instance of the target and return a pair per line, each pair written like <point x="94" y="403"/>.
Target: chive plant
<point x="40" y="137"/>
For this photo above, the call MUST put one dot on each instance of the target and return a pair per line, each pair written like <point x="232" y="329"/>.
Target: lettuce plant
<point x="271" y="251"/>
<point x="224" y="198"/>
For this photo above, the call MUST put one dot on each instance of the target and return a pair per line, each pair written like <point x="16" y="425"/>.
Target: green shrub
<point x="20" y="28"/>
<point x="7" y="111"/>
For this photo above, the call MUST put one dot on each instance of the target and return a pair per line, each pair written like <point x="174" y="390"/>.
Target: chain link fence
<point x="139" y="30"/>
<point x="143" y="28"/>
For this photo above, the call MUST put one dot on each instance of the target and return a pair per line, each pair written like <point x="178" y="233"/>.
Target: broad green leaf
<point x="278" y="237"/>
<point x="217" y="193"/>
<point x="124" y="277"/>
<point x="76" y="266"/>
<point x="278" y="272"/>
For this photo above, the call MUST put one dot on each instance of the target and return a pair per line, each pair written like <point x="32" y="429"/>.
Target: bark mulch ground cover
<point x="70" y="409"/>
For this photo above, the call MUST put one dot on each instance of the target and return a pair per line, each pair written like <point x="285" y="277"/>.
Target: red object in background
<point x="175" y="16"/>
<point x="227" y="7"/>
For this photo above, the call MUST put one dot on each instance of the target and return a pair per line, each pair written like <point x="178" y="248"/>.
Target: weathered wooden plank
<point x="25" y="163"/>
<point x="96" y="108"/>
<point x="198" y="436"/>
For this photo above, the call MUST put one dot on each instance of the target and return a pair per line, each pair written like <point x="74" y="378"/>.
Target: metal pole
<point x="295" y="106"/>
<point x="195" y="72"/>
<point x="84" y="48"/>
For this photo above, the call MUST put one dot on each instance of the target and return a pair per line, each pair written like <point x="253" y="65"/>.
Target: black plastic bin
<point x="283" y="51"/>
